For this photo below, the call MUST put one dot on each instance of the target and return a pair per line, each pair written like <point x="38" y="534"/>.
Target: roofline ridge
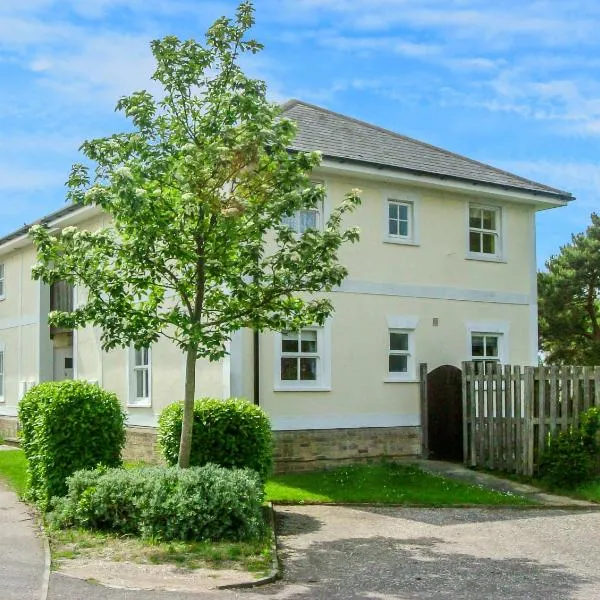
<point x="294" y="102"/>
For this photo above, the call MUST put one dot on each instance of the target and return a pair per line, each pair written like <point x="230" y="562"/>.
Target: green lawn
<point x="12" y="469"/>
<point x="381" y="483"/>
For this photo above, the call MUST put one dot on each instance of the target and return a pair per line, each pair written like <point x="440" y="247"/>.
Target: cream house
<point x="445" y="271"/>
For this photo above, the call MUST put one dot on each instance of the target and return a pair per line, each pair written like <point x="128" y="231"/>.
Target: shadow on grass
<point x="412" y="569"/>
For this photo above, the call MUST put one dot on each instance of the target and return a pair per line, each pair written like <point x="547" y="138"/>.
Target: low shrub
<point x="165" y="503"/>
<point x="67" y="426"/>
<point x="571" y="457"/>
<point x="230" y="433"/>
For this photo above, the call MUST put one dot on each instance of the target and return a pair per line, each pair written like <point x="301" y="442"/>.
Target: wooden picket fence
<point x="508" y="411"/>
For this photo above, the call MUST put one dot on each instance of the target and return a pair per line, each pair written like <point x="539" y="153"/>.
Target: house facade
<point x="445" y="271"/>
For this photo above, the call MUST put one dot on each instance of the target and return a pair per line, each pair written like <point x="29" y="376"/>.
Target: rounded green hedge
<point x="230" y="433"/>
<point x="165" y="503"/>
<point x="67" y="426"/>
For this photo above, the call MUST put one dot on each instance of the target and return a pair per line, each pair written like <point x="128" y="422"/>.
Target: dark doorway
<point x="444" y="413"/>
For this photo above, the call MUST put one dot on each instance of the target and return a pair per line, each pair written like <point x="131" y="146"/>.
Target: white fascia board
<point x="478" y="190"/>
<point x="73" y="218"/>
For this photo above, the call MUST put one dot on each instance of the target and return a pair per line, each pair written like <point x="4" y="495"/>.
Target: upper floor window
<point x="400" y="217"/>
<point x="400" y="221"/>
<point x="310" y="218"/>
<point x="302" y="359"/>
<point x="485" y="230"/>
<point x="302" y="220"/>
<point x="2" y="283"/>
<point x="140" y="388"/>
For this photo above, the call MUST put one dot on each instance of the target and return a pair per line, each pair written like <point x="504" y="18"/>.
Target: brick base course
<point x="9" y="427"/>
<point x="294" y="450"/>
<point x="323" y="448"/>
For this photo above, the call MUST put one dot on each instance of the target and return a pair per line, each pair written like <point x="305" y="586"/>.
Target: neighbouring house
<point x="445" y="271"/>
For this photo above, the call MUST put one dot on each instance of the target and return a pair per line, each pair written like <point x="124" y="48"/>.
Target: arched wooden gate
<point x="444" y="414"/>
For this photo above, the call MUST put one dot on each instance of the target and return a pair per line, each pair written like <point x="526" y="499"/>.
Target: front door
<point x="63" y="364"/>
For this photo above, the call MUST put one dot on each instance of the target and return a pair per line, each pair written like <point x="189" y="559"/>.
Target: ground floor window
<point x="1" y="375"/>
<point x="140" y="392"/>
<point x="400" y="354"/>
<point x="485" y="348"/>
<point x="302" y="359"/>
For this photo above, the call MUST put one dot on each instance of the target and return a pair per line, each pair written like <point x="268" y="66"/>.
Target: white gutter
<point x="72" y="218"/>
<point x="480" y="190"/>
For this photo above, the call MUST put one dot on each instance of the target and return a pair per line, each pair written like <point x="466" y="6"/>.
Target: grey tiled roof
<point x="344" y="138"/>
<point x="63" y="212"/>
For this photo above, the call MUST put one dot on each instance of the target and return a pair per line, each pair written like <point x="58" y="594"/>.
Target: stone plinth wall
<point x="9" y="427"/>
<point x="322" y="448"/>
<point x="294" y="450"/>
<point x="140" y="444"/>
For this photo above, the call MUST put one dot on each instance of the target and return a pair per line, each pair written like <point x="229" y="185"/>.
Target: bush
<point x="571" y="456"/>
<point x="230" y="433"/>
<point x="67" y="426"/>
<point x="165" y="503"/>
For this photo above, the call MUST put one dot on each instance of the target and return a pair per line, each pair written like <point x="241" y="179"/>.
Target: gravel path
<point x="337" y="553"/>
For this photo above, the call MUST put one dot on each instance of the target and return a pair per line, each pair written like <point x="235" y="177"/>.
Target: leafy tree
<point x="197" y="191"/>
<point x="569" y="294"/>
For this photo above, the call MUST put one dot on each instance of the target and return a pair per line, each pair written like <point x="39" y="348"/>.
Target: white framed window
<point x="485" y="232"/>
<point x="401" y="363"/>
<point x="485" y="347"/>
<point x="302" y="220"/>
<point x="400" y="217"/>
<point x="140" y="377"/>
<point x="302" y="360"/>
<point x="2" y="282"/>
<point x="1" y="373"/>
<point x="488" y="341"/>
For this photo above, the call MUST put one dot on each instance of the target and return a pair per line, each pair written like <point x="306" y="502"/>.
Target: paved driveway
<point x="418" y="554"/>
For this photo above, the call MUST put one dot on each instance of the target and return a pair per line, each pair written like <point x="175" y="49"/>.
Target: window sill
<point x="400" y="241"/>
<point x="139" y="404"/>
<point x="401" y="380"/>
<point x="2" y="298"/>
<point x="302" y="388"/>
<point x="485" y="258"/>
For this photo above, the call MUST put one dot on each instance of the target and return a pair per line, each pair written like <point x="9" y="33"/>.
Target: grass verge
<point x="254" y="557"/>
<point x="13" y="465"/>
<point x="382" y="483"/>
<point x="67" y="544"/>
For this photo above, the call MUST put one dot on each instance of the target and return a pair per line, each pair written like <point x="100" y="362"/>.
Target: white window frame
<point x="411" y="201"/>
<point x="294" y="221"/>
<point x="2" y="374"/>
<point x="2" y="281"/>
<point x="134" y="400"/>
<point x="499" y="232"/>
<point x="323" y="381"/>
<point x="499" y="329"/>
<point x="402" y="324"/>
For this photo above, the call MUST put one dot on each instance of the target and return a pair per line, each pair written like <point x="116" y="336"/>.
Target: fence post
<point x="509" y="414"/>
<point x="424" y="411"/>
<point x="467" y="413"/>
<point x="541" y="370"/>
<point x="529" y="404"/>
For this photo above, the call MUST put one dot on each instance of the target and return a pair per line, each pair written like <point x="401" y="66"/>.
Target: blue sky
<point x="515" y="84"/>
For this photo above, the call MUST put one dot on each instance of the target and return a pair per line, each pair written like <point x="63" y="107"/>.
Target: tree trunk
<point x="185" y="443"/>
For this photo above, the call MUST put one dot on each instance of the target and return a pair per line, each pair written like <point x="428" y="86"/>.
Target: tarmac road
<point x="340" y="553"/>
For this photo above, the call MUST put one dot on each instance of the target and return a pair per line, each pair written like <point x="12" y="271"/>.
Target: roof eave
<point x="560" y="198"/>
